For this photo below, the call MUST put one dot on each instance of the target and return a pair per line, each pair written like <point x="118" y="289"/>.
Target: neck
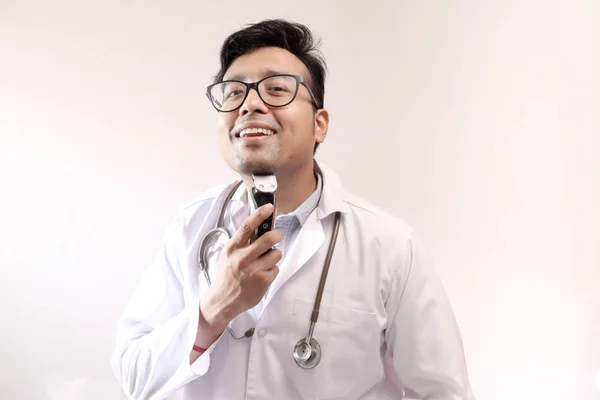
<point x="293" y="187"/>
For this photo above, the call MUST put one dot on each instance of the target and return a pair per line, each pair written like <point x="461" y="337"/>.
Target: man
<point x="385" y="327"/>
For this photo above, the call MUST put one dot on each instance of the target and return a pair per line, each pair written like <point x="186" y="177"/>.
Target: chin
<point x="248" y="167"/>
<point x="245" y="163"/>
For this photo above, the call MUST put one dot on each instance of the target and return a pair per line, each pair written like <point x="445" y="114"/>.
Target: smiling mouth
<point x="255" y="132"/>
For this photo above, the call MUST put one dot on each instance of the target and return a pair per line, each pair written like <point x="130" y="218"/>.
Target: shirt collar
<point x="302" y="212"/>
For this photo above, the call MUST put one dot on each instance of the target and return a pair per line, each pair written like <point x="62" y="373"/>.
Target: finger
<point x="263" y="244"/>
<point x="270" y="258"/>
<point x="269" y="275"/>
<point x="266" y="271"/>
<point x="245" y="231"/>
<point x="266" y="262"/>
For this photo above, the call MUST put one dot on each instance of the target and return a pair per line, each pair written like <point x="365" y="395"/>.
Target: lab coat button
<point x="261" y="333"/>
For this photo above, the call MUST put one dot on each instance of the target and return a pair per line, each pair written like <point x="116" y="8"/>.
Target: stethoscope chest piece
<point x="307" y="355"/>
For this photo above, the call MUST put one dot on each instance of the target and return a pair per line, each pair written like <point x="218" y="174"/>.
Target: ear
<point x="321" y="125"/>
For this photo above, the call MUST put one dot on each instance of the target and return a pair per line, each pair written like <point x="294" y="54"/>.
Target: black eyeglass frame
<point x="254" y="85"/>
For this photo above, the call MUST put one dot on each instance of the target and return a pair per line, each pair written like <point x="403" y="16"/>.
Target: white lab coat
<point x="386" y="327"/>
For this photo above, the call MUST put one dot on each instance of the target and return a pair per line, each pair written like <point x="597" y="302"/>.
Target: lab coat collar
<point x="332" y="197"/>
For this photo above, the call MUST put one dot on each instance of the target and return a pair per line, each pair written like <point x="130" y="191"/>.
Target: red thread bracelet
<point x="199" y="349"/>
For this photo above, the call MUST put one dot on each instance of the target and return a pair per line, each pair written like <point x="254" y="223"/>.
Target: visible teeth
<point x="247" y="131"/>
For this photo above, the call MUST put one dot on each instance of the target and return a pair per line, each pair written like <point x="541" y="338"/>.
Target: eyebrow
<point x="263" y="73"/>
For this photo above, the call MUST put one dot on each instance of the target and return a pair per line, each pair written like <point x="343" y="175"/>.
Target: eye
<point x="278" y="89"/>
<point x="233" y="93"/>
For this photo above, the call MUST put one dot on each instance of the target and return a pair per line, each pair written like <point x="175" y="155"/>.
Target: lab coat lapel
<point x="310" y="238"/>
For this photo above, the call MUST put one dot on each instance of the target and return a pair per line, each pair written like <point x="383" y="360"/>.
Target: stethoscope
<point x="307" y="352"/>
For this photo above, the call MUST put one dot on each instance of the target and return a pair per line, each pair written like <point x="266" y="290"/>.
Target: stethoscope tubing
<point x="307" y="352"/>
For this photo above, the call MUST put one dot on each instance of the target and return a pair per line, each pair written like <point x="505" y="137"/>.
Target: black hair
<point x="293" y="37"/>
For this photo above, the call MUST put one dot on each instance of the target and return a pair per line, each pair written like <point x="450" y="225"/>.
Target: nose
<point x="253" y="104"/>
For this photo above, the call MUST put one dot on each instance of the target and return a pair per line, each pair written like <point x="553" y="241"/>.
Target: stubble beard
<point x="247" y="161"/>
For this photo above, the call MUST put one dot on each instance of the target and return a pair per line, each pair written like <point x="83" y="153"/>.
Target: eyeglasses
<point x="275" y="91"/>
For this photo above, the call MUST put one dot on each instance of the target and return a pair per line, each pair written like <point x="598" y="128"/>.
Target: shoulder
<point x="367" y="219"/>
<point x="376" y="221"/>
<point x="389" y="238"/>
<point x="192" y="204"/>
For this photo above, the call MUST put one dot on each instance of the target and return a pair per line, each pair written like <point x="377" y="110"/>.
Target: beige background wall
<point x="477" y="121"/>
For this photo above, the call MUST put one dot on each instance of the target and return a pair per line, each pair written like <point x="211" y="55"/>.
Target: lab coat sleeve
<point x="157" y="331"/>
<point x="424" y="347"/>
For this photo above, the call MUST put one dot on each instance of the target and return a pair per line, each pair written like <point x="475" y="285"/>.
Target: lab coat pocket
<point x="349" y="344"/>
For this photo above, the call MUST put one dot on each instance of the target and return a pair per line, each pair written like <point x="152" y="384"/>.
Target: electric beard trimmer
<point x="263" y="192"/>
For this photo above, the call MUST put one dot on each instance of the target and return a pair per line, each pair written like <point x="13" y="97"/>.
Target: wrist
<point x="216" y="311"/>
<point x="213" y="320"/>
<point x="210" y="322"/>
<point x="207" y="334"/>
<point x="198" y="349"/>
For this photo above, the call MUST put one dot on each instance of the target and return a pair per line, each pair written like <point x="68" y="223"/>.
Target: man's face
<point x="296" y="126"/>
